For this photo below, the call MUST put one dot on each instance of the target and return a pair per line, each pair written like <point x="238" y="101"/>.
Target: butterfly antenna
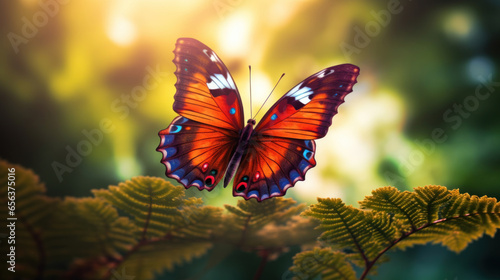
<point x="269" y="94"/>
<point x="250" y="82"/>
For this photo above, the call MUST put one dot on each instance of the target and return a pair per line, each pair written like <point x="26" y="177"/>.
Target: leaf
<point x="344" y="226"/>
<point x="400" y="204"/>
<point x="97" y="227"/>
<point x="251" y="223"/>
<point x="170" y="228"/>
<point x="154" y="258"/>
<point x="322" y="262"/>
<point x="392" y="218"/>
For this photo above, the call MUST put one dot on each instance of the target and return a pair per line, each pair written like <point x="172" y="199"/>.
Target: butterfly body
<point x="209" y="141"/>
<point x="235" y="160"/>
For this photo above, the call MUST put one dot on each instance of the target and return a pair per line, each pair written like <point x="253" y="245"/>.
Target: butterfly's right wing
<point x="196" y="154"/>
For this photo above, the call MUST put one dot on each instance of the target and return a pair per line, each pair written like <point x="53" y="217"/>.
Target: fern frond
<point x="393" y="218"/>
<point x="462" y="219"/>
<point x="322" y="262"/>
<point x="244" y="222"/>
<point x="342" y="225"/>
<point x="400" y="204"/>
<point x="430" y="200"/>
<point x="170" y="228"/>
<point x="97" y="227"/>
<point x="155" y="204"/>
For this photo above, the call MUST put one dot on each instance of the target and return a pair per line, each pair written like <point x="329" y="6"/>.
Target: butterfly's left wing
<point x="282" y="147"/>
<point x="306" y="111"/>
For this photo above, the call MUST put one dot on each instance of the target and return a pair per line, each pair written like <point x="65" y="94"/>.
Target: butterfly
<point x="209" y="140"/>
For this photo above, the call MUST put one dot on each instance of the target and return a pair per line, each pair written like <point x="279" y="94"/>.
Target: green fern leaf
<point x="155" y="204"/>
<point x="400" y="204"/>
<point x="430" y="200"/>
<point x="342" y="225"/>
<point x="84" y="231"/>
<point x="170" y="228"/>
<point x="393" y="218"/>
<point x="322" y="262"/>
<point x="462" y="219"/>
<point x="244" y="225"/>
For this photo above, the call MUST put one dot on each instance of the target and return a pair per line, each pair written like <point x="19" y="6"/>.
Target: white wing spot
<point x="213" y="57"/>
<point x="300" y="94"/>
<point x="221" y="82"/>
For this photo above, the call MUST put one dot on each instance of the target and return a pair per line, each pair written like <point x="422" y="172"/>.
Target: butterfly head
<point x="251" y="121"/>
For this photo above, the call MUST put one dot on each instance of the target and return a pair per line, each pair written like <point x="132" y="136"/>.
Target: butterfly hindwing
<point x="206" y="92"/>
<point x="272" y="165"/>
<point x="196" y="154"/>
<point x="306" y="111"/>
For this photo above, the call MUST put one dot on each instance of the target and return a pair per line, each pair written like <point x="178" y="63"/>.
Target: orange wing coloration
<point x="306" y="111"/>
<point x="206" y="92"/>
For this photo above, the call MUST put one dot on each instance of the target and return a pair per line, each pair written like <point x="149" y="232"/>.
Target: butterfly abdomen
<point x="239" y="152"/>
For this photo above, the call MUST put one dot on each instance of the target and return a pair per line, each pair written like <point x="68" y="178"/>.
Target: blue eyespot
<point x="232" y="111"/>
<point x="335" y="94"/>
<point x="307" y="154"/>
<point x="175" y="128"/>
<point x="185" y="59"/>
<point x="274" y="117"/>
<point x="185" y="69"/>
<point x="340" y="86"/>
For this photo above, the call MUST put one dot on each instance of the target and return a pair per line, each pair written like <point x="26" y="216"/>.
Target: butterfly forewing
<point x="206" y="92"/>
<point x="306" y="111"/>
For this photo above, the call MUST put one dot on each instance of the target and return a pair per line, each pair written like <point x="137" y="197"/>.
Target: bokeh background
<point x="86" y="86"/>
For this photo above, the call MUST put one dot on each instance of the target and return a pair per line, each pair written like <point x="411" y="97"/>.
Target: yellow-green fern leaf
<point x="328" y="264"/>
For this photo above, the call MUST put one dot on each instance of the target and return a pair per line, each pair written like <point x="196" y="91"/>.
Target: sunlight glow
<point x="234" y="34"/>
<point x="261" y="87"/>
<point x="121" y="30"/>
<point x="349" y="152"/>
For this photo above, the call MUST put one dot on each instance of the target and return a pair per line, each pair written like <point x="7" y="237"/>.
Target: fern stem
<point x="263" y="262"/>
